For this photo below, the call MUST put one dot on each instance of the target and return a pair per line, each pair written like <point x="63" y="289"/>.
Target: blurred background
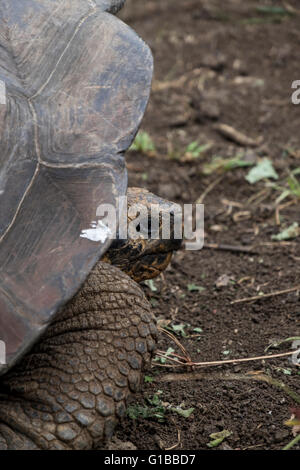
<point x="221" y="129"/>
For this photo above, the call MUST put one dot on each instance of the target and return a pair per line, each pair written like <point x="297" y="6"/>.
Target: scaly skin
<point x="71" y="389"/>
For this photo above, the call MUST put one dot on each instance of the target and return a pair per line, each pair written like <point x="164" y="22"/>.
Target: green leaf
<point x="185" y="413"/>
<point x="264" y="169"/>
<point x="169" y="351"/>
<point x="273" y="10"/>
<point x="292" y="231"/>
<point x="148" y="379"/>
<point x="155" y="408"/>
<point x="294" y="184"/>
<point x="218" y="438"/>
<point x="194" y="287"/>
<point x="133" y="412"/>
<point x="195" y="150"/>
<point x="192" y="146"/>
<point x="155" y="400"/>
<point x="163" y="360"/>
<point x="220" y="164"/>
<point x="285" y="371"/>
<point x="179" y="329"/>
<point x="296" y="171"/>
<point x="198" y="330"/>
<point x="143" y="143"/>
<point x="146" y="412"/>
<point x="151" y="285"/>
<point x="226" y="353"/>
<point x="153" y="302"/>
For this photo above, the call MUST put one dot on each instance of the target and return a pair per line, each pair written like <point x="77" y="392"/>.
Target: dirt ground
<point x="222" y="62"/>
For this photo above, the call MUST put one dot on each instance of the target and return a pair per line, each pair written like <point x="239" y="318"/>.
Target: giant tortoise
<point x="74" y="84"/>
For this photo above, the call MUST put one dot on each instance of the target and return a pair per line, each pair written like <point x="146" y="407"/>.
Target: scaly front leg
<point x="71" y="389"/>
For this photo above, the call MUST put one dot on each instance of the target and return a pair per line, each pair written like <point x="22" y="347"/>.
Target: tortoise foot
<point x="71" y="389"/>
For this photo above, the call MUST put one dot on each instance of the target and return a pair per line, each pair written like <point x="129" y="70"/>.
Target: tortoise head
<point x="151" y="239"/>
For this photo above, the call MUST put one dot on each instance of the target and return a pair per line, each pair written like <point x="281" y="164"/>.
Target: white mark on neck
<point x="98" y="232"/>
<point x="2" y="92"/>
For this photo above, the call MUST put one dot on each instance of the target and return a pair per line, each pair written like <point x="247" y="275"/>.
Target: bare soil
<point x="229" y="62"/>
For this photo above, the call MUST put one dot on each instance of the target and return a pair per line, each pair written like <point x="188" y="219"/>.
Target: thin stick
<point x="287" y="204"/>
<point x="281" y="207"/>
<point x="277" y="215"/>
<point x="178" y="441"/>
<point x="190" y="363"/>
<point x="258" y="195"/>
<point x="167" y="356"/>
<point x="248" y="359"/>
<point x="230" y="361"/>
<point x="163" y="353"/>
<point x="233" y="248"/>
<point x="208" y="190"/>
<point x="226" y="202"/>
<point x="168" y="333"/>
<point x="236" y="136"/>
<point x="168" y="365"/>
<point x="264" y="296"/>
<point x="289" y="8"/>
<point x="221" y="376"/>
<point x="276" y="244"/>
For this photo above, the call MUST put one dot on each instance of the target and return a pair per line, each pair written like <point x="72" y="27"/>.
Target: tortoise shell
<point x="74" y="84"/>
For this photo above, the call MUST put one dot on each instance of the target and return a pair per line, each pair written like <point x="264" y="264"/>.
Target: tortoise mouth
<point x="150" y="266"/>
<point x="142" y="259"/>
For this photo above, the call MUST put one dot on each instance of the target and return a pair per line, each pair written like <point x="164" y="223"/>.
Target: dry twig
<point x="233" y="248"/>
<point x="177" y="342"/>
<point x="179" y="361"/>
<point x="264" y="296"/>
<point x="238" y="137"/>
<point x="209" y="188"/>
<point x="259" y="377"/>
<point x="177" y="443"/>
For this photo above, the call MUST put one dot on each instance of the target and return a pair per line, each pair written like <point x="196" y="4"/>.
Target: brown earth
<point x="229" y="62"/>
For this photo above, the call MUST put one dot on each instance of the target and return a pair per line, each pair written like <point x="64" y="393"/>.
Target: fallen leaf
<point x="264" y="169"/>
<point x="151" y="285"/>
<point x="218" y="438"/>
<point x="194" y="287"/>
<point x="224" y="280"/>
<point x="185" y="413"/>
<point x="292" y="231"/>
